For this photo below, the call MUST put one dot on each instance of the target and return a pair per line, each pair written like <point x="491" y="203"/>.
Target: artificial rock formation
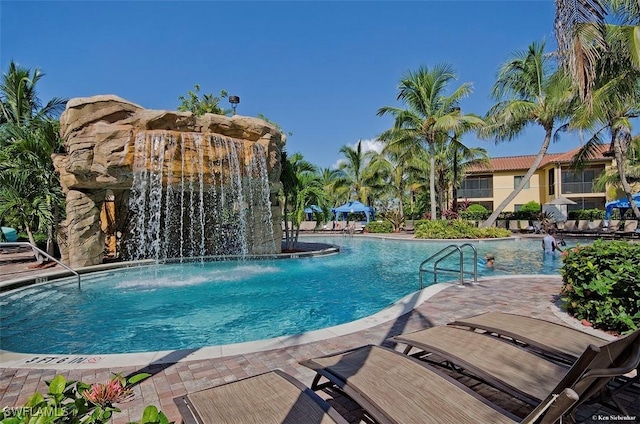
<point x="99" y="136"/>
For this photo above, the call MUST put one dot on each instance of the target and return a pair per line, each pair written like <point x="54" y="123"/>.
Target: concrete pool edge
<point x="404" y="305"/>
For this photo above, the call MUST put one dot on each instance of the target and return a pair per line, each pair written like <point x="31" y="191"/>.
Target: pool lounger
<point x="269" y="398"/>
<point x="519" y="372"/>
<point x="394" y="388"/>
<point x="548" y="337"/>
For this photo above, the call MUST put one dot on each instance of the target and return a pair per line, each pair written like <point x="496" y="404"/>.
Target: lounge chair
<point x="394" y="388"/>
<point x="544" y="336"/>
<point x="273" y="397"/>
<point x="521" y="373"/>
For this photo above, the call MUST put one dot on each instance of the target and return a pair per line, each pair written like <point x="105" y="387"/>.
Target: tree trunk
<point x="286" y="224"/>
<point x="619" y="155"/>
<point x="432" y="180"/>
<point x="543" y="151"/>
<point x="39" y="257"/>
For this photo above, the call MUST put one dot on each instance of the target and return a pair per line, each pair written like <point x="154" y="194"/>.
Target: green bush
<point x="455" y="229"/>
<point x="379" y="227"/>
<point x="475" y="212"/>
<point x="531" y="207"/>
<point x="602" y="284"/>
<point x="476" y="208"/>
<point x="73" y="402"/>
<point x="586" y="214"/>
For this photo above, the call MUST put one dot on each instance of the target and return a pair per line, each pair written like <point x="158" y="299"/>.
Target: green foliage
<point x="199" y="106"/>
<point x="455" y="229"/>
<point x="475" y="212"/>
<point x="476" y="208"/>
<point x="602" y="284"/>
<point x="589" y="214"/>
<point x="531" y="207"/>
<point x="75" y="402"/>
<point x="379" y="227"/>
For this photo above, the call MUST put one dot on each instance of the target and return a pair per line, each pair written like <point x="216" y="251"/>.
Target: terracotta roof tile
<point x="513" y="163"/>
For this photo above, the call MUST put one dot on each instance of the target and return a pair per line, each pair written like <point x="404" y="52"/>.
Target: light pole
<point x="234" y="100"/>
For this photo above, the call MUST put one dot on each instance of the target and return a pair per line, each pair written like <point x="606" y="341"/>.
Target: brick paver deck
<point x="533" y="296"/>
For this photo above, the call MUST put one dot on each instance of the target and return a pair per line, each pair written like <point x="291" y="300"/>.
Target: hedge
<point x="379" y="227"/>
<point x="602" y="284"/>
<point x="455" y="229"/>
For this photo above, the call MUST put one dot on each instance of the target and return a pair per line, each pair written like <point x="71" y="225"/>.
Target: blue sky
<point x="321" y="69"/>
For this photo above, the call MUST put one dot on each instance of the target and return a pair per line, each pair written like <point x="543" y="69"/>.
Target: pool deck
<point x="176" y="374"/>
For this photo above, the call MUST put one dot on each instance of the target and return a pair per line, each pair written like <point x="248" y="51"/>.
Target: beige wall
<point x="503" y="185"/>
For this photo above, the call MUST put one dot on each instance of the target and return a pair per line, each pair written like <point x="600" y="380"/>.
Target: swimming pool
<point x="184" y="306"/>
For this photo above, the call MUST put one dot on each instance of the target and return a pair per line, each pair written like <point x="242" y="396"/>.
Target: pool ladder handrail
<point x="42" y="252"/>
<point x="444" y="254"/>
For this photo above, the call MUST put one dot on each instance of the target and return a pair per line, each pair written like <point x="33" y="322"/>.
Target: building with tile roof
<point x="490" y="184"/>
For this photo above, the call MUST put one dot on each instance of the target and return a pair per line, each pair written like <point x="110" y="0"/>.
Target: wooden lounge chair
<point x="270" y="398"/>
<point x="394" y="388"/>
<point x="521" y="373"/>
<point x="545" y="336"/>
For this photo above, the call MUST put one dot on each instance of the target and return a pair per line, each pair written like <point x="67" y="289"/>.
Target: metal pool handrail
<point x="42" y="252"/>
<point x="452" y="248"/>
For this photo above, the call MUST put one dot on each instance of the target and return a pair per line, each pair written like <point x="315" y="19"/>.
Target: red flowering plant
<point x="75" y="402"/>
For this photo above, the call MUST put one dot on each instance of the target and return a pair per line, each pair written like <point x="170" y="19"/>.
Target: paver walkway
<point x="532" y="296"/>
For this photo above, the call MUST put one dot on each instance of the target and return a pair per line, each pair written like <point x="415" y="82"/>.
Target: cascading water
<point x="197" y="195"/>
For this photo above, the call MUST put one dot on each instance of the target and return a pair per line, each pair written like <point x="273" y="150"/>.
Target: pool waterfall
<point x="197" y="195"/>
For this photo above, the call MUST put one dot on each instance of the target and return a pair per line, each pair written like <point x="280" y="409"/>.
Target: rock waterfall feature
<point x="161" y="185"/>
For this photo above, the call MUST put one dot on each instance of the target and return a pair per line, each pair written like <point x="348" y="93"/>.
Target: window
<point x="517" y="208"/>
<point x="580" y="182"/>
<point x="552" y="181"/>
<point x="518" y="179"/>
<point x="476" y="187"/>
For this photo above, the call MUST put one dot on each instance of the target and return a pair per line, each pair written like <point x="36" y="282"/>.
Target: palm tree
<point x="430" y="114"/>
<point x="453" y="159"/>
<point x="584" y="37"/>
<point x="334" y="184"/>
<point x="528" y="92"/>
<point x="300" y="188"/>
<point x="611" y="177"/>
<point x="28" y="136"/>
<point x="615" y="102"/>
<point x="19" y="102"/>
<point x="357" y="176"/>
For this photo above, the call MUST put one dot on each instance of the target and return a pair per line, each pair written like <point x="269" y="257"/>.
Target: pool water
<point x="184" y="306"/>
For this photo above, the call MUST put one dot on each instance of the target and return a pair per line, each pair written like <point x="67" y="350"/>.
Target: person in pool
<point x="549" y="242"/>
<point x="488" y="261"/>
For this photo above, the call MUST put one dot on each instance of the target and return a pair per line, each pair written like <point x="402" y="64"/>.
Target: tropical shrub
<point x="475" y="212"/>
<point x="532" y="207"/>
<point x="455" y="229"/>
<point x="588" y="214"/>
<point x="74" y="402"/>
<point x="379" y="227"/>
<point x="602" y="284"/>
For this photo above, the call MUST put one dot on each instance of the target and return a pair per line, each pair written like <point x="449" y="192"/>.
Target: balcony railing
<point x="474" y="193"/>
<point x="571" y="188"/>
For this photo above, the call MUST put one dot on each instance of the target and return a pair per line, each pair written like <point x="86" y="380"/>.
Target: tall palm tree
<point x="28" y="136"/>
<point x="583" y="35"/>
<point x="430" y="114"/>
<point x="19" y="102"/>
<point x="611" y="177"/>
<point x="358" y="177"/>
<point x="529" y="91"/>
<point x="333" y="183"/>
<point x="615" y="102"/>
<point x="452" y="161"/>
